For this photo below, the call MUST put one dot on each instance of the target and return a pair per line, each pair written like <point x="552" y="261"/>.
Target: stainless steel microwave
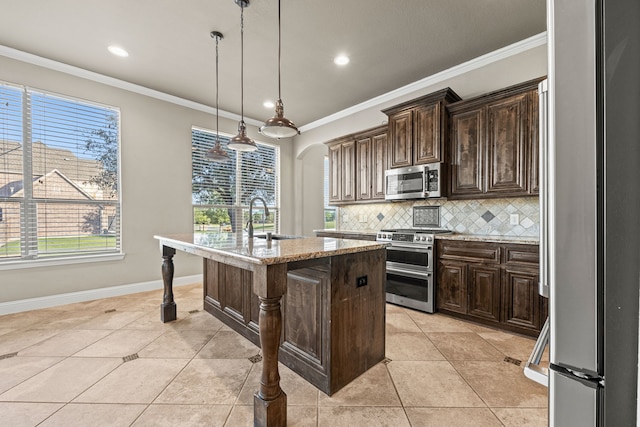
<point x="414" y="182"/>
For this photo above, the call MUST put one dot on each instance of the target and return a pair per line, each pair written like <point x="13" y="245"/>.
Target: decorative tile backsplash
<point x="486" y="216"/>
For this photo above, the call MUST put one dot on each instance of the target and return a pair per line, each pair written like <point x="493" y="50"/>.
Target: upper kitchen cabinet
<point x="494" y="144"/>
<point x="356" y="166"/>
<point x="418" y="129"/>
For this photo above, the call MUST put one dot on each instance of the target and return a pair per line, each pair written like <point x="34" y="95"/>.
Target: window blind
<point x="222" y="191"/>
<point x="69" y="203"/>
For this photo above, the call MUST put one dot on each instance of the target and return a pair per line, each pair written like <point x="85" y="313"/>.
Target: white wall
<point x="156" y="185"/>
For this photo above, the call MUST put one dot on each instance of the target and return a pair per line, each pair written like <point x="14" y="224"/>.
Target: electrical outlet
<point x="361" y="281"/>
<point x="514" y="219"/>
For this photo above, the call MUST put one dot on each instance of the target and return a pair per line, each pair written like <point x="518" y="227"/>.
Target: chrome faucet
<point x="266" y="214"/>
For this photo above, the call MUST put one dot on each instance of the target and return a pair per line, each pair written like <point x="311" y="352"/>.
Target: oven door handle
<point x="408" y="273"/>
<point x="407" y="248"/>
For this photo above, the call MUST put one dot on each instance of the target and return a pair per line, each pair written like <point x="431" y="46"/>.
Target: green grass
<point x="63" y="244"/>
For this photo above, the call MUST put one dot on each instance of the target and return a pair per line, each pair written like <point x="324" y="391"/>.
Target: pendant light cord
<point x="279" y="51"/>
<point x="242" y="62"/>
<point x="217" y="93"/>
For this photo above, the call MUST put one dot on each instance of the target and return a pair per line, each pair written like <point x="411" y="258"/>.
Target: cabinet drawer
<point x="469" y="251"/>
<point x="525" y="255"/>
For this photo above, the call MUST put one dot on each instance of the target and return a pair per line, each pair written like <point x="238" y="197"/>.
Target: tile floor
<point x="65" y="366"/>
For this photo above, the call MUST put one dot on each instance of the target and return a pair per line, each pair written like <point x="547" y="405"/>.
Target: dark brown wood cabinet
<point x="332" y="328"/>
<point x="418" y="129"/>
<point x="356" y="166"/>
<point x="492" y="283"/>
<point x="493" y="141"/>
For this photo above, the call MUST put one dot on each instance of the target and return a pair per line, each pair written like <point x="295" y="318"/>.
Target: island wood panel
<point x="333" y="330"/>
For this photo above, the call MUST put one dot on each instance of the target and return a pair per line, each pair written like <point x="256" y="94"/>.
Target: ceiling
<point x="390" y="43"/>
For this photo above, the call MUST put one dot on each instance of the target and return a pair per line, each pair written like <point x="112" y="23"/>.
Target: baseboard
<point x="73" y="297"/>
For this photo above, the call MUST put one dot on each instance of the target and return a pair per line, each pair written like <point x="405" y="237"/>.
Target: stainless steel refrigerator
<point x="590" y="211"/>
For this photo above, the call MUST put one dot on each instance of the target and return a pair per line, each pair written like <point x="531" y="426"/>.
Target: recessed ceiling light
<point x="268" y="104"/>
<point x="118" y="51"/>
<point x="341" y="60"/>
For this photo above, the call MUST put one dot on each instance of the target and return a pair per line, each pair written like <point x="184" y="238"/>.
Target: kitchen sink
<point x="278" y="236"/>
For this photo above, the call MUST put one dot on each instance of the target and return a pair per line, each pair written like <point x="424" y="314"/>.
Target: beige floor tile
<point x="297" y="416"/>
<point x="201" y="321"/>
<point x="94" y="415"/>
<point x="514" y="346"/>
<point x="18" y="414"/>
<point x="65" y="319"/>
<point x="120" y="343"/>
<point x="228" y="345"/>
<point x="410" y="346"/>
<point x="299" y="391"/>
<point x="452" y="417"/>
<point x="373" y="388"/>
<point x="65" y="343"/>
<point x="151" y="320"/>
<point x="436" y="322"/>
<point x="62" y="382"/>
<point x="400" y="322"/>
<point x="208" y="381"/>
<point x="502" y="384"/>
<point x="523" y="417"/>
<point x="432" y="384"/>
<point x="176" y="344"/>
<point x="184" y="416"/>
<point x="464" y="346"/>
<point x="17" y="369"/>
<point x="111" y="320"/>
<point x="6" y="331"/>
<point x="362" y="416"/>
<point x="137" y="381"/>
<point x="392" y="308"/>
<point x="23" y="320"/>
<point x="19" y="340"/>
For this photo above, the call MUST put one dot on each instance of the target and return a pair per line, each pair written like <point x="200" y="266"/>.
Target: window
<point x="329" y="211"/>
<point x="221" y="192"/>
<point x="58" y="176"/>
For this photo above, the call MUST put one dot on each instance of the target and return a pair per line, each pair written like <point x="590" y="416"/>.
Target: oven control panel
<point x="404" y="237"/>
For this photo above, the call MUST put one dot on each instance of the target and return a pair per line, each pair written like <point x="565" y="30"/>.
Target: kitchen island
<point x="330" y="326"/>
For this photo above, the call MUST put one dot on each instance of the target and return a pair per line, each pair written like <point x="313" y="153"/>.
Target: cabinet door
<point x="467" y="150"/>
<point x="401" y="135"/>
<point x="507" y="145"/>
<point x="363" y="168"/>
<point x="452" y="286"/>
<point x="379" y="164"/>
<point x="427" y="139"/>
<point x="521" y="302"/>
<point x="335" y="173"/>
<point x="483" y="290"/>
<point x="348" y="171"/>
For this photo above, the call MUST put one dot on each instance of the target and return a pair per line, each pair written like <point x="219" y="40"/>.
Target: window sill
<point x="51" y="262"/>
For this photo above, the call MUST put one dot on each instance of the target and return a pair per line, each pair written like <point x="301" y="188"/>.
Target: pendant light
<point x="217" y="154"/>
<point x="279" y="126"/>
<point x="241" y="142"/>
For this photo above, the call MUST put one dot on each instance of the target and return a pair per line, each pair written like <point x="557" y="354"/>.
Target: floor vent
<point x="130" y="357"/>
<point x="8" y="355"/>
<point x="512" y="360"/>
<point x="255" y="359"/>
<point x="193" y="311"/>
<point x="386" y="360"/>
<point x="110" y="311"/>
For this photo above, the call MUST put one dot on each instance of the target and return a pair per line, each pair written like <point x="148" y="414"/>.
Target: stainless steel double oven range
<point x="411" y="272"/>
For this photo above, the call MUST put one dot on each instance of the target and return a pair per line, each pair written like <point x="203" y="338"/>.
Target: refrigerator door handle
<point x="590" y="379"/>
<point x="545" y="151"/>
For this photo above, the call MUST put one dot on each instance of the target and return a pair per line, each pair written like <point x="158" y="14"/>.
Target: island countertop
<point x="260" y="251"/>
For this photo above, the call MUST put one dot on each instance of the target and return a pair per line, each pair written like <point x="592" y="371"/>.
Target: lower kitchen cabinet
<point x="332" y="328"/>
<point x="491" y="283"/>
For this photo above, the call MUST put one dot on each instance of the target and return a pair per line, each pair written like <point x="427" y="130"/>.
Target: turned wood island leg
<point x="168" y="307"/>
<point x="270" y="402"/>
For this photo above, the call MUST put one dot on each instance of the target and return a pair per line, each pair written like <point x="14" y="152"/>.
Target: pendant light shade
<point x="241" y="142"/>
<point x="279" y="126"/>
<point x="217" y="154"/>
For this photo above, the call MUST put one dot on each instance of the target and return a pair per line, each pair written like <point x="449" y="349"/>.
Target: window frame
<point x="29" y="255"/>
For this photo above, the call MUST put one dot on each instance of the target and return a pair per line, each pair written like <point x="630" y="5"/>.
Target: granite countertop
<point x="260" y="251"/>
<point x="527" y="240"/>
